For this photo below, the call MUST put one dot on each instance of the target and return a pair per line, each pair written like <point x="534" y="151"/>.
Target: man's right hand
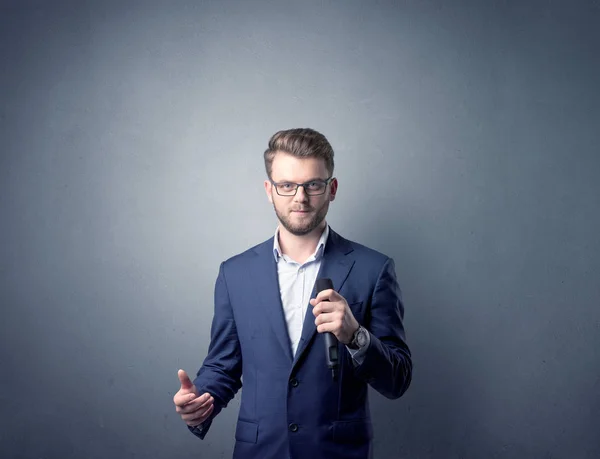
<point x="194" y="408"/>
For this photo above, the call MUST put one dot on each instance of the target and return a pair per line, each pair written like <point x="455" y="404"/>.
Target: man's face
<point x="299" y="214"/>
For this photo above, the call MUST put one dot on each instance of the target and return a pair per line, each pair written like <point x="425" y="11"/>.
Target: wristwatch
<point x="359" y="339"/>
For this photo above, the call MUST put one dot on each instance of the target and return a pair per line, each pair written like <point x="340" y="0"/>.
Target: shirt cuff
<point x="358" y="355"/>
<point x="198" y="430"/>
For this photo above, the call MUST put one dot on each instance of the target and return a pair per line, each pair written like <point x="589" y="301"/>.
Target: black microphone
<point x="331" y="342"/>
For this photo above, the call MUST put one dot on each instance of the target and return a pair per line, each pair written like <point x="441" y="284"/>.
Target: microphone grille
<point x="324" y="284"/>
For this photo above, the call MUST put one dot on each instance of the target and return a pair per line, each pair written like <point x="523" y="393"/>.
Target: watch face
<point x="361" y="339"/>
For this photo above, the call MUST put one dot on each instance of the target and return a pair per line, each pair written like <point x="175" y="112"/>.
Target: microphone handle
<point x="331" y="342"/>
<point x="331" y="345"/>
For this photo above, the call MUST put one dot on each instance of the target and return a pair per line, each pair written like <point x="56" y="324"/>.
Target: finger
<point x="327" y="307"/>
<point x="327" y="327"/>
<point x="323" y="295"/>
<point x="186" y="383"/>
<point x="332" y="321"/>
<point x="194" y="405"/>
<point x="333" y="317"/>
<point x="327" y="295"/>
<point x="200" y="420"/>
<point x="181" y="398"/>
<point x="198" y="416"/>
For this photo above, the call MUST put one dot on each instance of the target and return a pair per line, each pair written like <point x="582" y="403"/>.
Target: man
<point x="269" y="325"/>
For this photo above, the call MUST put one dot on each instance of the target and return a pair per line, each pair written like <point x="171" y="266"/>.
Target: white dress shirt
<point x="296" y="282"/>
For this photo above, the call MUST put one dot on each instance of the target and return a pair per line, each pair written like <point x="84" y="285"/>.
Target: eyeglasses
<point x="312" y="188"/>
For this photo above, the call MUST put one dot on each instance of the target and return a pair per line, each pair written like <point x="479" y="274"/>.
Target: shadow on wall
<point x="433" y="418"/>
<point x="454" y="407"/>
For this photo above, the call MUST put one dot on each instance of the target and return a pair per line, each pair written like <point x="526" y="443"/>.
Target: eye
<point x="315" y="185"/>
<point x="286" y="186"/>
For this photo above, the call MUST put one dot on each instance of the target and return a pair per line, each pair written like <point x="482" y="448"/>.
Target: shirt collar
<point x="320" y="245"/>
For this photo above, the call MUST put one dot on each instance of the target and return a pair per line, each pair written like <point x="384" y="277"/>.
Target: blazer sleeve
<point x="220" y="374"/>
<point x="387" y="364"/>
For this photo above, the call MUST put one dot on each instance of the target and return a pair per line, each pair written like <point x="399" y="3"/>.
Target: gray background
<point x="131" y="166"/>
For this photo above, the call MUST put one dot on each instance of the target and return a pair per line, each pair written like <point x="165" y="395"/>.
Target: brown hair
<point x="302" y="143"/>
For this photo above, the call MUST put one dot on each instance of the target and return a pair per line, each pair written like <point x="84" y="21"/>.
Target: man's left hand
<point x="334" y="315"/>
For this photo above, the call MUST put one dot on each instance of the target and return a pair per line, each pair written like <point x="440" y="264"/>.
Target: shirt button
<point x="294" y="382"/>
<point x="293" y="427"/>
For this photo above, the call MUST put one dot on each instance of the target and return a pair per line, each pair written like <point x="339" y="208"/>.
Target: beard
<point x="306" y="225"/>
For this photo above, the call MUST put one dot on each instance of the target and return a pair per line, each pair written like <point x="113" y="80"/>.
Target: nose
<point x="301" y="195"/>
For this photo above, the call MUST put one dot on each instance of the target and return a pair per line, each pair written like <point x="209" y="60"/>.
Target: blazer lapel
<point x="267" y="285"/>
<point x="336" y="265"/>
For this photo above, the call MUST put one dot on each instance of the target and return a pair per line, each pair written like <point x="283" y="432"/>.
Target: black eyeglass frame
<point x="327" y="181"/>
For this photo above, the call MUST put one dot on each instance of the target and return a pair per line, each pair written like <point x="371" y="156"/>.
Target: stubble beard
<point x="301" y="229"/>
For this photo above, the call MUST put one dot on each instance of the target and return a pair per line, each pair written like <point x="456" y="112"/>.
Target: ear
<point x="269" y="190"/>
<point x="333" y="187"/>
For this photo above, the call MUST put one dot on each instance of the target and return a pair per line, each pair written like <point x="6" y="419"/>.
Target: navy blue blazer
<point x="290" y="405"/>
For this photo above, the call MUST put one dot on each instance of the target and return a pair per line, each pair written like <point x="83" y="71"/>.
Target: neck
<point x="299" y="248"/>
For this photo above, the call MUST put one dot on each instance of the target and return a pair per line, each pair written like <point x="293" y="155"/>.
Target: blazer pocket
<point x="246" y="431"/>
<point x="359" y="431"/>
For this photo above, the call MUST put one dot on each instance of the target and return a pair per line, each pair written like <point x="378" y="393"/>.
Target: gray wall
<point x="467" y="149"/>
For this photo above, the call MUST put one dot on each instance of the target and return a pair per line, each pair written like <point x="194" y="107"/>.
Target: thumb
<point x="186" y="383"/>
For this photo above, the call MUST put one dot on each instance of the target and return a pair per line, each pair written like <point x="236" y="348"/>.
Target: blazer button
<point x="294" y="382"/>
<point x="293" y="427"/>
